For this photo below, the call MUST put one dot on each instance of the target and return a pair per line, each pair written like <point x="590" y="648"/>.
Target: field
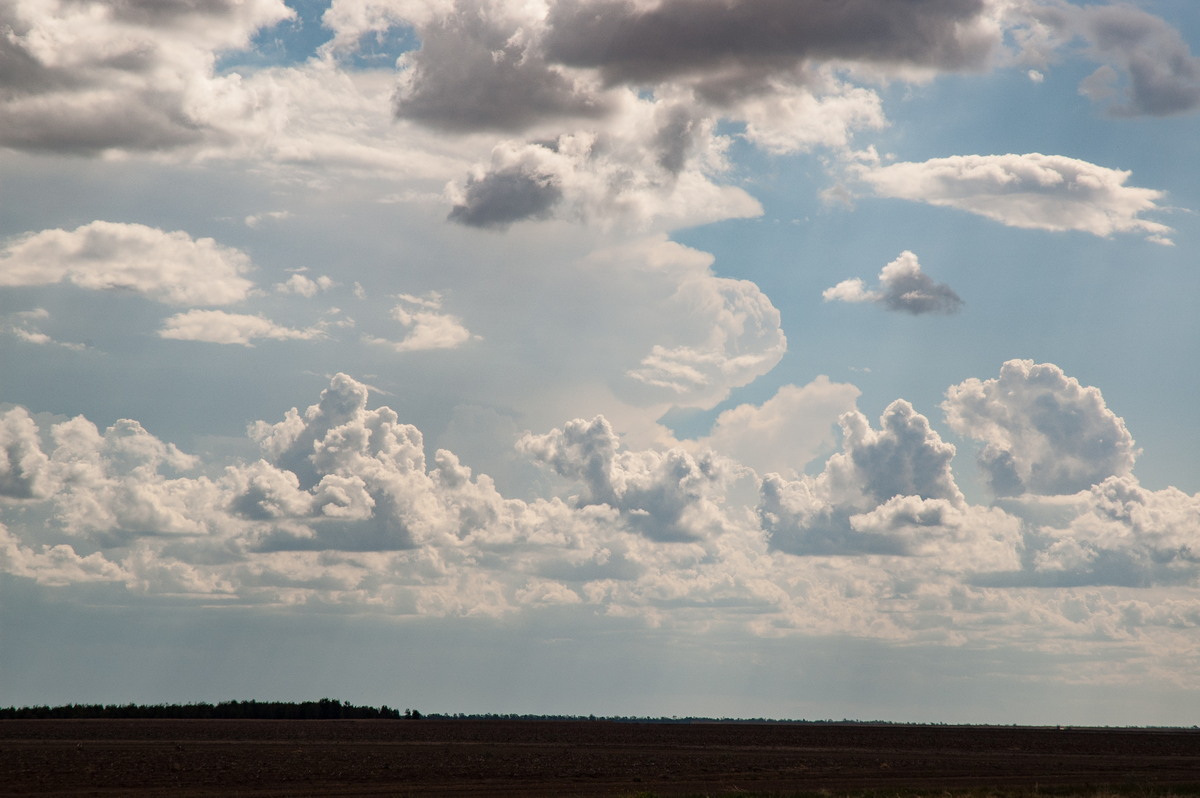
<point x="189" y="758"/>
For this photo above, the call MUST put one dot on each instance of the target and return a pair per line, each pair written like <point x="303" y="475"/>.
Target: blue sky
<point x="603" y="356"/>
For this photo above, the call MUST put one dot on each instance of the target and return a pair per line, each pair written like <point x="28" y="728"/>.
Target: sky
<point x="787" y="358"/>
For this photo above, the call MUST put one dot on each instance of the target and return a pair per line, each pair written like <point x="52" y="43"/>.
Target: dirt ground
<point x="190" y="758"/>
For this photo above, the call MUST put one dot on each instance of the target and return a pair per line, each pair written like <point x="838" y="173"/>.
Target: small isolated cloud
<point x="305" y="286"/>
<point x="1041" y="192"/>
<point x="42" y="339"/>
<point x="219" y="327"/>
<point x="23" y="329"/>
<point x="902" y="286"/>
<point x="497" y="199"/>
<point x="428" y="327"/>
<point x="1042" y="431"/>
<point x="169" y="267"/>
<point x="254" y="220"/>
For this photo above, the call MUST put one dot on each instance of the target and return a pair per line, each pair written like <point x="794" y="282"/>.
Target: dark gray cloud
<point x="676" y="138"/>
<point x="902" y="286"/>
<point x="89" y="127"/>
<point x="159" y="13"/>
<point x="502" y="197"/>
<point x="122" y="74"/>
<point x="474" y="72"/>
<point x="678" y="37"/>
<point x="1162" y="75"/>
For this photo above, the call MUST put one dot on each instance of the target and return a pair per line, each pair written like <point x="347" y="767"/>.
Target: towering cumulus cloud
<point x="24" y="469"/>
<point x="1042" y="431"/>
<point x="904" y="461"/>
<point x="666" y="496"/>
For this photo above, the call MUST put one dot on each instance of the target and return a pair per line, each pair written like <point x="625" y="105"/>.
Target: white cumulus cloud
<point x="170" y="267"/>
<point x="221" y="327"/>
<point x="1042" y="192"/>
<point x="426" y="326"/>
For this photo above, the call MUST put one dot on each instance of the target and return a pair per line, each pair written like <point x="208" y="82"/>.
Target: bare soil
<point x="194" y="758"/>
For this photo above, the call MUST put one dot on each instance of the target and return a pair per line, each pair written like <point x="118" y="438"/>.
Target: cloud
<point x="824" y="112"/>
<point x="902" y="286"/>
<point x="358" y="475"/>
<point x="734" y="336"/>
<point x="904" y="458"/>
<point x="169" y="267"/>
<point x="428" y="328"/>
<point x="84" y="78"/>
<point x="1116" y="532"/>
<point x="480" y="68"/>
<point x="1162" y="75"/>
<point x="1041" y="192"/>
<point x="667" y="496"/>
<point x="56" y="565"/>
<point x="255" y="220"/>
<point x="111" y="486"/>
<point x="654" y="164"/>
<point x="1127" y="535"/>
<point x="787" y="431"/>
<point x="220" y="327"/>
<point x="24" y="468"/>
<point x="305" y="286"/>
<point x="344" y="510"/>
<point x="632" y="43"/>
<point x="1042" y="431"/>
<point x="497" y="199"/>
<point x="23" y="330"/>
<point x="960" y="538"/>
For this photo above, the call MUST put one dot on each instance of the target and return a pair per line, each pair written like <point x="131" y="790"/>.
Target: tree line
<point x="324" y="709"/>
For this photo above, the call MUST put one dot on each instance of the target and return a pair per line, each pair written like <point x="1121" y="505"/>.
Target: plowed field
<point x="189" y="758"/>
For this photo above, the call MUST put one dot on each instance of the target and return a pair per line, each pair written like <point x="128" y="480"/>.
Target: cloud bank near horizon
<point x="343" y="508"/>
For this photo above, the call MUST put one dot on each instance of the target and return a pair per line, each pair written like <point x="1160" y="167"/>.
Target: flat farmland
<point x="192" y="758"/>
